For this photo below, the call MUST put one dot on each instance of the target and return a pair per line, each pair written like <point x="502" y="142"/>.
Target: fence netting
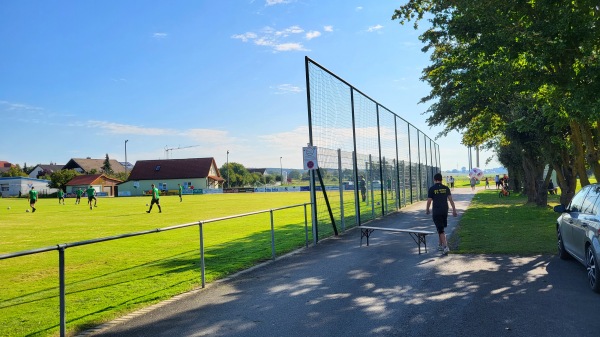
<point x="371" y="161"/>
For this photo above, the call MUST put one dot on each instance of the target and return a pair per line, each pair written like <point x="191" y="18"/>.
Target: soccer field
<point x="108" y="279"/>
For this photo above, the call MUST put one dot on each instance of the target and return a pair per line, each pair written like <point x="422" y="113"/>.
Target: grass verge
<point x="507" y="225"/>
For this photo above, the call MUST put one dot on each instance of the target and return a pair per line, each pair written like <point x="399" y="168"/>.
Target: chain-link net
<point x="371" y="161"/>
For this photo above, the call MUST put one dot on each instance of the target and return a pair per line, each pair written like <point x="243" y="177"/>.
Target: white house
<point x="20" y="186"/>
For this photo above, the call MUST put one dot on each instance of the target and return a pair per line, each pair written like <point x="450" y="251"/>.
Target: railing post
<point x="61" y="287"/>
<point x="272" y="235"/>
<point x="202" y="266"/>
<point x="306" y="225"/>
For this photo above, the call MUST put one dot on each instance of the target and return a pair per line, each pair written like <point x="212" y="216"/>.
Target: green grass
<point x="507" y="225"/>
<point x="106" y="280"/>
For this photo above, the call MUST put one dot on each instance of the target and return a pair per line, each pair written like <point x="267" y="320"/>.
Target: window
<point x="577" y="201"/>
<point x="590" y="199"/>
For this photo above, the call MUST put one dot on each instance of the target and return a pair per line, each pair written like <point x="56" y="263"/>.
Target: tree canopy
<point x="519" y="77"/>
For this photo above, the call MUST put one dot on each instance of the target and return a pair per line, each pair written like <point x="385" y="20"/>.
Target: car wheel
<point x="562" y="252"/>
<point x="592" y="269"/>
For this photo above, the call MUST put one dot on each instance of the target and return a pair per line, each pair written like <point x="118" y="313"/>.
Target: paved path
<point x="386" y="289"/>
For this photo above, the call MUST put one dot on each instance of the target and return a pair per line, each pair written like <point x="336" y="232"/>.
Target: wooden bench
<point x="419" y="236"/>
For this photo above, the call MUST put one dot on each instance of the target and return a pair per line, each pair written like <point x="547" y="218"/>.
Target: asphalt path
<point x="339" y="288"/>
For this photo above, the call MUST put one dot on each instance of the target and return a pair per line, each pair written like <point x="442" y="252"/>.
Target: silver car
<point x="577" y="230"/>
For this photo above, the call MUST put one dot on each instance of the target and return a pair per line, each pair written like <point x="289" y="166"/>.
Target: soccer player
<point x="91" y="194"/>
<point x="440" y="196"/>
<point x="61" y="196"/>
<point x="180" y="192"/>
<point x="33" y="195"/>
<point x="78" y="194"/>
<point x="155" y="199"/>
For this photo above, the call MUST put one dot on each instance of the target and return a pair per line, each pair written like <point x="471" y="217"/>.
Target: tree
<point x="59" y="179"/>
<point x="295" y="174"/>
<point x="517" y="72"/>
<point x="106" y="167"/>
<point x="14" y="171"/>
<point x="236" y="175"/>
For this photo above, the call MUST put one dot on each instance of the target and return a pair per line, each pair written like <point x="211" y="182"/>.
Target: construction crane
<point x="167" y="149"/>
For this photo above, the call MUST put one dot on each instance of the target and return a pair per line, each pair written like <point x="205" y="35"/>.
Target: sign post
<point x="309" y="154"/>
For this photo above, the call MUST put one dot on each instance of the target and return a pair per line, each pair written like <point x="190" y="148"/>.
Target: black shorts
<point x="155" y="201"/>
<point x="91" y="198"/>
<point x="440" y="221"/>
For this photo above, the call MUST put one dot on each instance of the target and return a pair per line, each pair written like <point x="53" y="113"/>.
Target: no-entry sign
<point x="310" y="157"/>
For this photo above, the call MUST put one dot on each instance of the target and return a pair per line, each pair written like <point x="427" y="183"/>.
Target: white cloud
<point x="312" y="34"/>
<point x="290" y="47"/>
<point x="245" y="37"/>
<point x="328" y="28"/>
<point x="374" y="28"/>
<point x="287" y="89"/>
<point x="159" y="35"/>
<point x="116" y="128"/>
<point x="277" y="2"/>
<point x="19" y="106"/>
<point x="278" y="40"/>
<point x="359" y="8"/>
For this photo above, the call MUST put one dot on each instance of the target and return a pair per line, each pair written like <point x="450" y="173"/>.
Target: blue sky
<point x="78" y="78"/>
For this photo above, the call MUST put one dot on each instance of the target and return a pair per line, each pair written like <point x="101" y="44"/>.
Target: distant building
<point x="20" y="186"/>
<point x="89" y="165"/>
<point x="194" y="174"/>
<point x="42" y="169"/>
<point x="5" y="166"/>
<point x="262" y="171"/>
<point x="104" y="186"/>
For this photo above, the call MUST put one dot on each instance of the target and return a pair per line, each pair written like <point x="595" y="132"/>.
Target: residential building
<point x="104" y="186"/>
<point x="43" y="169"/>
<point x="92" y="166"/>
<point x="196" y="175"/>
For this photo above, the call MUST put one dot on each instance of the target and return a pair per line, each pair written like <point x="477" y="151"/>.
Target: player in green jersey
<point x="78" y="194"/>
<point x="33" y="195"/>
<point x="61" y="196"/>
<point x="91" y="194"/>
<point x="155" y="199"/>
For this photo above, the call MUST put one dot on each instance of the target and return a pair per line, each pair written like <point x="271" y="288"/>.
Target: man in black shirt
<point x="439" y="195"/>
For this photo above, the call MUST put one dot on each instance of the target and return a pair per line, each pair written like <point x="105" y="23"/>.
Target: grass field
<point x="106" y="280"/>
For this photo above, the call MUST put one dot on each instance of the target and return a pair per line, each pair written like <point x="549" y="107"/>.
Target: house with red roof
<point x="196" y="175"/>
<point x="104" y="185"/>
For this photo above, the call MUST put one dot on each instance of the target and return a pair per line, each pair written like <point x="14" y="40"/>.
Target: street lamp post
<point x="126" y="158"/>
<point x="228" y="177"/>
<point x="281" y="167"/>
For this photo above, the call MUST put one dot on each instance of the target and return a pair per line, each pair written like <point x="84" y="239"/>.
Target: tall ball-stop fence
<point x="371" y="161"/>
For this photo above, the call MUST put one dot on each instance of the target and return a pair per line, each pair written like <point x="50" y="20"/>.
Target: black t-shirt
<point x="439" y="194"/>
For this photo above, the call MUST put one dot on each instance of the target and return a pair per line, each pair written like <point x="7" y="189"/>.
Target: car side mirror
<point x="560" y="209"/>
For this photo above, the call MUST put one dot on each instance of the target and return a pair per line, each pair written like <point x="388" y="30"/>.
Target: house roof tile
<point x="173" y="169"/>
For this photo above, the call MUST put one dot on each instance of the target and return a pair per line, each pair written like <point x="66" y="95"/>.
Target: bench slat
<point x="419" y="236"/>
<point x="398" y="230"/>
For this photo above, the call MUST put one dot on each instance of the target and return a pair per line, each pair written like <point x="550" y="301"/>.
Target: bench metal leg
<point x="419" y="238"/>
<point x="365" y="233"/>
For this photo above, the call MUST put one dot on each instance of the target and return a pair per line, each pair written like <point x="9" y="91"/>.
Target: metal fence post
<point x="61" y="287"/>
<point x="272" y="235"/>
<point x="306" y="225"/>
<point x="341" y="184"/>
<point x="202" y="265"/>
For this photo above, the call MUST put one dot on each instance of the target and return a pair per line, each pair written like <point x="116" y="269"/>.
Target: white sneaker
<point x="446" y="250"/>
<point x="440" y="248"/>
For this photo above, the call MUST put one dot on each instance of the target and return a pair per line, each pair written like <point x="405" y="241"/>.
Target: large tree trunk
<point x="534" y="170"/>
<point x="579" y="153"/>
<point x="592" y="149"/>
<point x="566" y="179"/>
